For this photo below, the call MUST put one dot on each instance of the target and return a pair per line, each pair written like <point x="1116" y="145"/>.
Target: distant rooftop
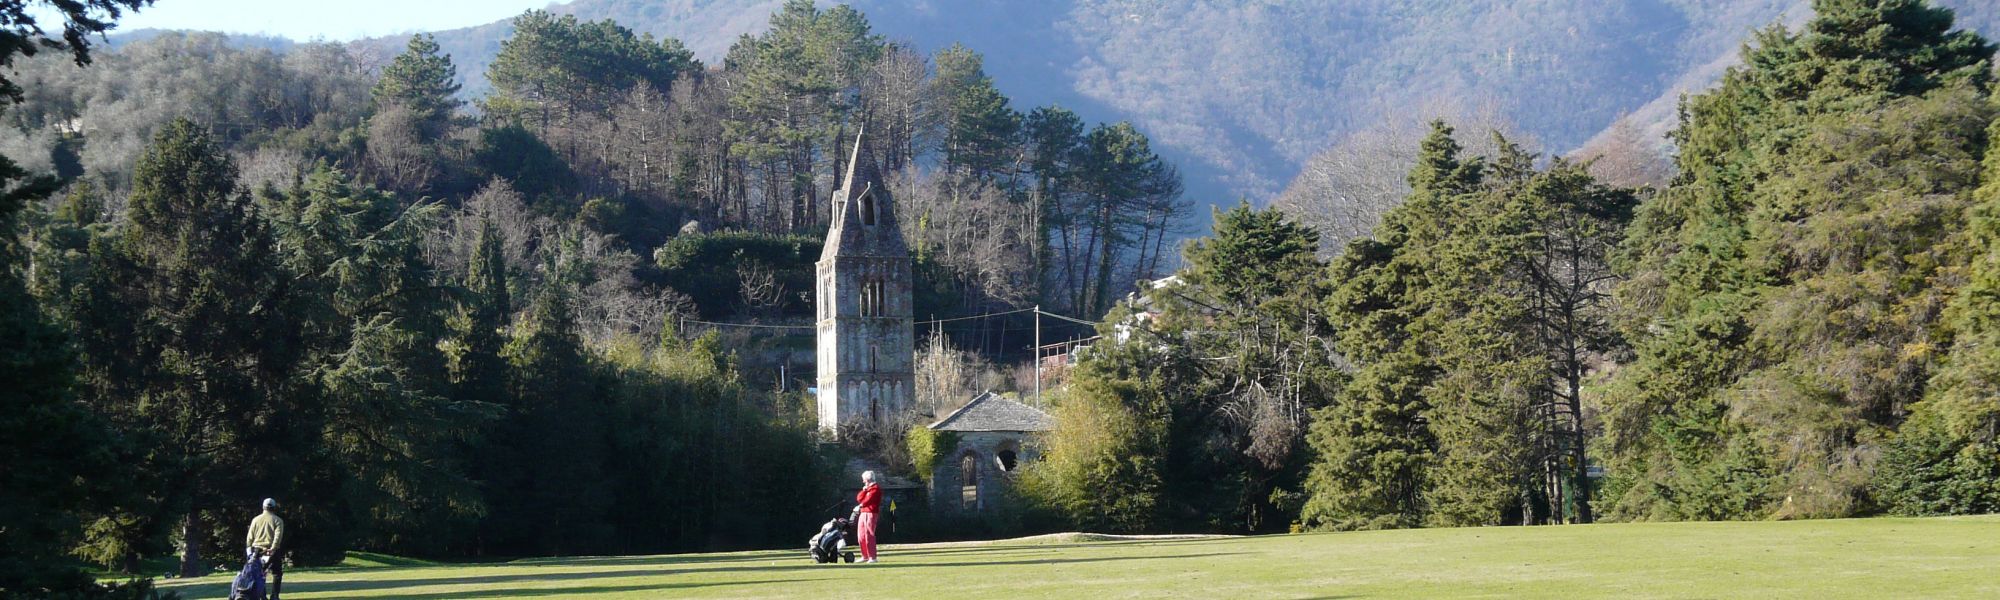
<point x="990" y="412"/>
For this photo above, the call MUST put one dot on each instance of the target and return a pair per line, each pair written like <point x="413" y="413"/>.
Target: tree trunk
<point x="1580" y="484"/>
<point x="192" y="534"/>
<point x="1107" y="261"/>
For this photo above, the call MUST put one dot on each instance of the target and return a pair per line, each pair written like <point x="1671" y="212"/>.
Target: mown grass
<point x="1861" y="558"/>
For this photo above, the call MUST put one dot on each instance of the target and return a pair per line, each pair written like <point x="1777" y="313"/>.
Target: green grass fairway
<point x="1818" y="560"/>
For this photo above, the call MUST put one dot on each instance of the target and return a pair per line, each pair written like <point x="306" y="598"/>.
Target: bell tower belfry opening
<point x="865" y="333"/>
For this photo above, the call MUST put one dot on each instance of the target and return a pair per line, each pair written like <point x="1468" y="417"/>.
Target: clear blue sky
<point x="334" y="20"/>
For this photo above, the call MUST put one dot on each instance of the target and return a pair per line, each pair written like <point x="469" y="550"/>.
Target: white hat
<point x="270" y="503"/>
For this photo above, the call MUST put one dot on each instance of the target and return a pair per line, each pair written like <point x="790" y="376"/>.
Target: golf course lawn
<point x="1858" y="558"/>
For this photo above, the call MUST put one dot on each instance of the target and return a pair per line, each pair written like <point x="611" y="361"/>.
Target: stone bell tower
<point x="867" y="349"/>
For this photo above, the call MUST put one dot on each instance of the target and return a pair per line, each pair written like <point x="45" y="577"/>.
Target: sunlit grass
<point x="1863" y="558"/>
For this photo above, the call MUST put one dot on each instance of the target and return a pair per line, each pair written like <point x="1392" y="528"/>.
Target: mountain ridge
<point x="1241" y="95"/>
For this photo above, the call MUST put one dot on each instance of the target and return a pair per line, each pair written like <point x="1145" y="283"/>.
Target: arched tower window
<point x="868" y="208"/>
<point x="874" y="298"/>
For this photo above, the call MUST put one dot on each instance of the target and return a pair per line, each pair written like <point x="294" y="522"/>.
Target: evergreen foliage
<point x="423" y="81"/>
<point x="186" y="335"/>
<point x="256" y="303"/>
<point x="688" y="262"/>
<point x="314" y="294"/>
<point x="979" y="127"/>
<point x="1470" y="313"/>
<point x="554" y="68"/>
<point x="1191" y="411"/>
<point x="1787" y="291"/>
<point x="57" y="451"/>
<point x="1945" y="459"/>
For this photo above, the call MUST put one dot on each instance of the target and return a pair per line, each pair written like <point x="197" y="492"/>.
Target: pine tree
<point x="1124" y="187"/>
<point x="1578" y="223"/>
<point x="422" y="81"/>
<point x="790" y="105"/>
<point x="556" y="68"/>
<point x="1055" y="147"/>
<point x="979" y="127"/>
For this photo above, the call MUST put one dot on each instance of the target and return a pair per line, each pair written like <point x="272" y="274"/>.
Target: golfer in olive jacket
<point x="267" y="539"/>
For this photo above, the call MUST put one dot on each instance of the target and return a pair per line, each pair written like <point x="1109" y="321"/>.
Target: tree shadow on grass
<point x="1047" y="561"/>
<point x="515" y="578"/>
<point x="1014" y="548"/>
<point x="341" y="586"/>
<point x="345" y="589"/>
<point x="661" y="560"/>
<point x="577" y="590"/>
<point x="547" y="577"/>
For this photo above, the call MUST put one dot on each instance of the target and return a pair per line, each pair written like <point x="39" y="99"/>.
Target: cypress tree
<point x="552" y="495"/>
<point x="1375" y="444"/>
<point x="480" y="322"/>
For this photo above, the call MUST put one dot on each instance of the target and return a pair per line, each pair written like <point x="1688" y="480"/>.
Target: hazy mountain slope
<point x="1658" y="116"/>
<point x="1242" y="93"/>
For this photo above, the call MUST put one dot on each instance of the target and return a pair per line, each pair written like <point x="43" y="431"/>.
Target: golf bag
<point x="249" y="583"/>
<point x="830" y="544"/>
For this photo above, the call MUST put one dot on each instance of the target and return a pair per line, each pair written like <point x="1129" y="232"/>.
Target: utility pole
<point x="1038" y="357"/>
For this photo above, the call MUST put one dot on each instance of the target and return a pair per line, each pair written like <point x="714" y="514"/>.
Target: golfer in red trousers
<point x="867" y="503"/>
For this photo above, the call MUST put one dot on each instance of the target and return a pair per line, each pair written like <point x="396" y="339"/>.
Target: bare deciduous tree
<point x="974" y="230"/>
<point x="1623" y="156"/>
<point x="399" y="157"/>
<point x="1344" y="190"/>
<point x="947" y="377"/>
<point x="893" y="103"/>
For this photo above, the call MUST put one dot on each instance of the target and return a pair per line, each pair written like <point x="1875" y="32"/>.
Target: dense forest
<point x="451" y="330"/>
<point x="456" y="330"/>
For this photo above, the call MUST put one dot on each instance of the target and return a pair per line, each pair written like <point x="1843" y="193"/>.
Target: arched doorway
<point x="968" y="487"/>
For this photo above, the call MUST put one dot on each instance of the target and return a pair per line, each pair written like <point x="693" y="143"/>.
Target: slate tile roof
<point x="990" y="412"/>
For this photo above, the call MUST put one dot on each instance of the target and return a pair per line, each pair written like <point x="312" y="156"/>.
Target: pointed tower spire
<point x="864" y="215"/>
<point x="855" y="172"/>
<point x="861" y="171"/>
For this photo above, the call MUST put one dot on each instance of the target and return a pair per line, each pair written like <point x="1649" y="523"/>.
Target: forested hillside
<point x="454" y="332"/>
<point x="1244" y="94"/>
